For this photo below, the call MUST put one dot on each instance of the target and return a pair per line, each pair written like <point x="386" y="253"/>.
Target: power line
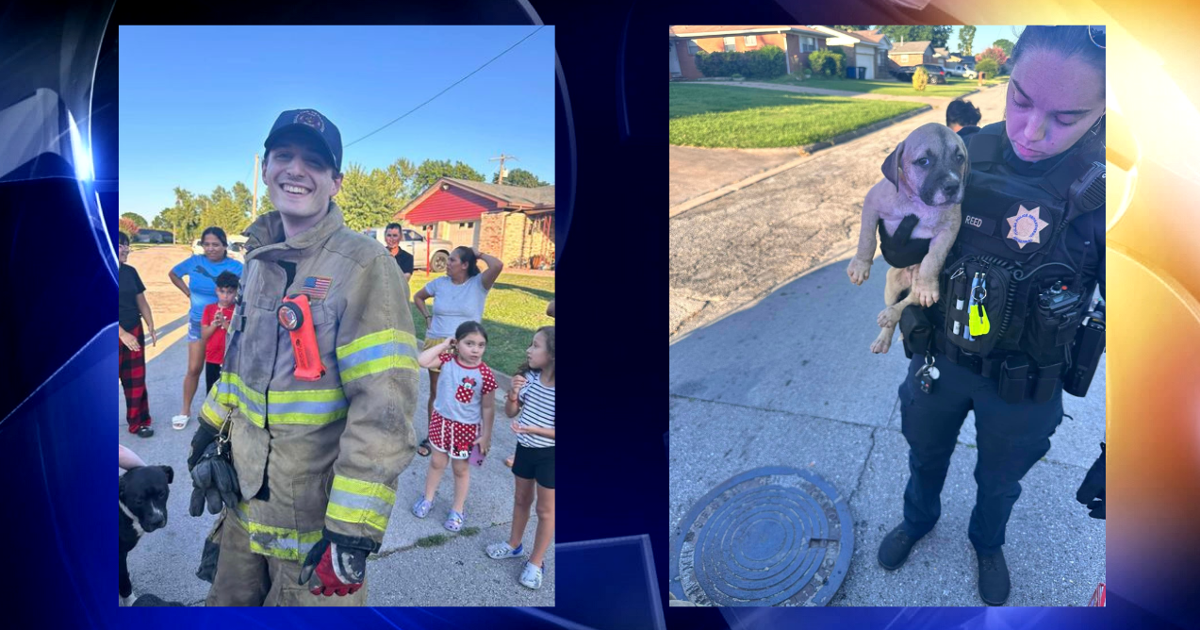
<point x="502" y="53"/>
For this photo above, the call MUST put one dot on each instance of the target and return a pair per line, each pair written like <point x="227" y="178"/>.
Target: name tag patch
<point x="983" y="224"/>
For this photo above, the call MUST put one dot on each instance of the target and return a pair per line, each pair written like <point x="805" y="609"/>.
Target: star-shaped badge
<point x="1026" y="226"/>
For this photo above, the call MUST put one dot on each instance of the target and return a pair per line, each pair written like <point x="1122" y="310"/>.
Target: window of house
<point x="692" y="47"/>
<point x="752" y="40"/>
<point x="730" y="44"/>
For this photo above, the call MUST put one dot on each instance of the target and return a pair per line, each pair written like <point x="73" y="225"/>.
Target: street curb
<point x="808" y="150"/>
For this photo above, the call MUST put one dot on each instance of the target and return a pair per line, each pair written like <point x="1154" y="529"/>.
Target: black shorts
<point x="212" y="373"/>
<point x="535" y="463"/>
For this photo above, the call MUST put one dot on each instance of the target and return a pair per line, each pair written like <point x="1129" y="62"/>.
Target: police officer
<point x="316" y="397"/>
<point x="1015" y="299"/>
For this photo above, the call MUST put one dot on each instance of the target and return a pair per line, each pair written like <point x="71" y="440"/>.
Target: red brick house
<point x="686" y="41"/>
<point x="912" y="53"/>
<point x="514" y="224"/>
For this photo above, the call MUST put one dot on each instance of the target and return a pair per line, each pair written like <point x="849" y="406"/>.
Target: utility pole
<point x="502" y="158"/>
<point x="254" y="211"/>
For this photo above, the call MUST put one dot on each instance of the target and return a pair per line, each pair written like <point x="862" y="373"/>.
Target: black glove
<point x="1091" y="491"/>
<point x="203" y="436"/>
<point x="335" y="568"/>
<point x="213" y="478"/>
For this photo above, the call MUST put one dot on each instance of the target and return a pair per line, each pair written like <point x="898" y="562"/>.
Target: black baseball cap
<point x="314" y="123"/>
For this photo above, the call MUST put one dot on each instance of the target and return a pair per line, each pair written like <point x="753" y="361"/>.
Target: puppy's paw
<point x="859" y="271"/>
<point x="888" y="317"/>
<point x="925" y="292"/>
<point x="881" y="345"/>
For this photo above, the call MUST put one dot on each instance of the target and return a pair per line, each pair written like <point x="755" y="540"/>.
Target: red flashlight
<point x="296" y="317"/>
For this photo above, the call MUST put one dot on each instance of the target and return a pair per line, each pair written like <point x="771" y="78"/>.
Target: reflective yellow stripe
<point x="312" y="407"/>
<point x="213" y="416"/>
<point x="355" y="501"/>
<point x="377" y="352"/>
<point x="278" y="542"/>
<point x="374" y="339"/>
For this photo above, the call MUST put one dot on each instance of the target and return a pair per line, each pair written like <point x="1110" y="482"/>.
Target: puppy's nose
<point x="950" y="189"/>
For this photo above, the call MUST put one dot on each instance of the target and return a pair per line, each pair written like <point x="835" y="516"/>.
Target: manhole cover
<point x="770" y="536"/>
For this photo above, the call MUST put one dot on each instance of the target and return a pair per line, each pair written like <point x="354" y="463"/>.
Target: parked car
<point x="414" y="243"/>
<point x="956" y="69"/>
<point x="236" y="251"/>
<point x="937" y="74"/>
<point x="970" y="74"/>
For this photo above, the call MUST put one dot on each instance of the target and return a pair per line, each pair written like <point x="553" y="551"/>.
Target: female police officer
<point x="1014" y="291"/>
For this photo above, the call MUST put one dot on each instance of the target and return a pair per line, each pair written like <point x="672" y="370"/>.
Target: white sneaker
<point x="179" y="422"/>
<point x="501" y="550"/>
<point x="531" y="577"/>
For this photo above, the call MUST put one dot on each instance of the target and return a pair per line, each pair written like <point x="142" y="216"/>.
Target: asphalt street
<point x="455" y="572"/>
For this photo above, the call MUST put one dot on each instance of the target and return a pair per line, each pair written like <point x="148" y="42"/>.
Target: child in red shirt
<point x="213" y="325"/>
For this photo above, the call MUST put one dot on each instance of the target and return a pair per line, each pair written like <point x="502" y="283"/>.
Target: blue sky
<point x="197" y="102"/>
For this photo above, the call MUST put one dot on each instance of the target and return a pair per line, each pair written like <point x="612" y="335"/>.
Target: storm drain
<point x="770" y="536"/>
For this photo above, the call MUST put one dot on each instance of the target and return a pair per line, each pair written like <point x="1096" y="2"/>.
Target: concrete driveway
<point x="731" y="252"/>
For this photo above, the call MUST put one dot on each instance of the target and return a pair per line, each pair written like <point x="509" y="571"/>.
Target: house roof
<point x="910" y="47"/>
<point x="855" y="35"/>
<point x="511" y="195"/>
<point x="941" y="51"/>
<point x="871" y="36"/>
<point x="695" y="31"/>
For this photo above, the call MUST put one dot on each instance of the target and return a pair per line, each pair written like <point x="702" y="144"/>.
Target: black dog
<point x="143" y="499"/>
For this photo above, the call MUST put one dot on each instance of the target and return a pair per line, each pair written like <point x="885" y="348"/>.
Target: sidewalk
<point x="791" y="381"/>
<point x="458" y="571"/>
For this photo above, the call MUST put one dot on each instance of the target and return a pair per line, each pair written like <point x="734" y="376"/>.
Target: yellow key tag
<point x="978" y="321"/>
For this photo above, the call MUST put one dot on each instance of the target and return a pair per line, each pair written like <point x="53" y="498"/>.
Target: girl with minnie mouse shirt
<point x="465" y="400"/>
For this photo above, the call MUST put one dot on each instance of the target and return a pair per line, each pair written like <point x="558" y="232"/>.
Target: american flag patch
<point x="316" y="287"/>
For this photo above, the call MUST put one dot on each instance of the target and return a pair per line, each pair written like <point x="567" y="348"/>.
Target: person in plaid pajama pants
<point x="132" y="308"/>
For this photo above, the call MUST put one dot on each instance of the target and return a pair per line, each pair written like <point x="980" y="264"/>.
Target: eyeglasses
<point x="1097" y="35"/>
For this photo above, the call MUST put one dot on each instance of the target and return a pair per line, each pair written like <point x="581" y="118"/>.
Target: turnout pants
<point x="245" y="578"/>
<point x="1011" y="438"/>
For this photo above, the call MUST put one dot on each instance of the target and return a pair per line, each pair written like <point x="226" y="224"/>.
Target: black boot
<point x="993" y="579"/>
<point x="894" y="549"/>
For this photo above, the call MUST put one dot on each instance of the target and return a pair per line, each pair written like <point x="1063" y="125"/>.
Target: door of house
<point x="674" y="60"/>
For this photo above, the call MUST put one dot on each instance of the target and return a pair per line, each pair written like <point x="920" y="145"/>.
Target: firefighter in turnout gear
<point x="304" y="471"/>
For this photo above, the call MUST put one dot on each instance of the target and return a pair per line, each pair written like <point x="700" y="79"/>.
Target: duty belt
<point x="1035" y="383"/>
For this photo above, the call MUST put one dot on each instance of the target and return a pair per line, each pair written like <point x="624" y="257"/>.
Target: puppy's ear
<point x="170" y="473"/>
<point x="891" y="165"/>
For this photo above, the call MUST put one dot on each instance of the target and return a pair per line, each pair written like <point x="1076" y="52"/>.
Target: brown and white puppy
<point x="925" y="177"/>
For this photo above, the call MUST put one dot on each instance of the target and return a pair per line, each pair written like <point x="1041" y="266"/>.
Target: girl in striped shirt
<point x="532" y="396"/>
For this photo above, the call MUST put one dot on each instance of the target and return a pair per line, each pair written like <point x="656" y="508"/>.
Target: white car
<point x="970" y="74"/>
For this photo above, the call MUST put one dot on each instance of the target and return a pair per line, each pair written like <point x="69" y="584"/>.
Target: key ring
<point x="980" y="298"/>
<point x="929" y="360"/>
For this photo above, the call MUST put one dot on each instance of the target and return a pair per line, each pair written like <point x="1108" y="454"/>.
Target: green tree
<point x="370" y="199"/>
<point x="966" y="38"/>
<point x="137" y="219"/>
<point x="519" y="177"/>
<point x="184" y="216"/>
<point x="1005" y="45"/>
<point x="430" y="170"/>
<point x="160" y="222"/>
<point x="937" y="35"/>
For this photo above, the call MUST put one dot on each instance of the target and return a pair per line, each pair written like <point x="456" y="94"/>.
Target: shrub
<point x="920" y="79"/>
<point x="827" y="63"/>
<point x="988" y="67"/>
<point x="763" y="63"/>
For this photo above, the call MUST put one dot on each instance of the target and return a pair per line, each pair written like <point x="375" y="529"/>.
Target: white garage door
<point x="866" y="59"/>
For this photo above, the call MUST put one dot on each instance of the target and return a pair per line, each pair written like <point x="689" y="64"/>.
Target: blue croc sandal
<point x="421" y="508"/>
<point x="454" y="521"/>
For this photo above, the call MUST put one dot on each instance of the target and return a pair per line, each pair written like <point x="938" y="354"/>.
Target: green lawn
<point x="954" y="86"/>
<point x="516" y="308"/>
<point x="737" y="117"/>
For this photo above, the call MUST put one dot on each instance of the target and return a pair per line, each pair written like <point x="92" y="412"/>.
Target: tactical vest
<point x="1011" y="225"/>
